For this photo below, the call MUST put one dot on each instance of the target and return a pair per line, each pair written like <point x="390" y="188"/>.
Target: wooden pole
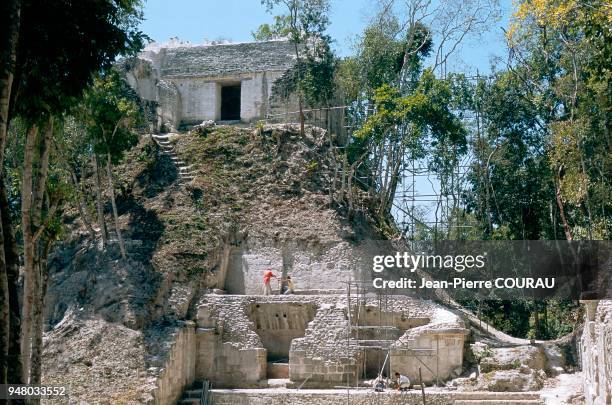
<point x="422" y="386"/>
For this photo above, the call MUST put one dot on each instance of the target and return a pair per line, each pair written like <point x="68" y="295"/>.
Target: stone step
<point x="465" y="395"/>
<point x="197" y="384"/>
<point x="193" y="393"/>
<point x="321" y="292"/>
<point x="184" y="168"/>
<point x="373" y="342"/>
<point x="161" y="137"/>
<point x="186" y="401"/>
<point x="278" y="382"/>
<point x="498" y="402"/>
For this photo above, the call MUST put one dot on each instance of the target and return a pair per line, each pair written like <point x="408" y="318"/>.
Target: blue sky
<point x="195" y="20"/>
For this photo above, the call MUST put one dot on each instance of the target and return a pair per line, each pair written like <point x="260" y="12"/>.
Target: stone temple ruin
<point x="319" y="341"/>
<point x="322" y="337"/>
<point x="331" y="336"/>
<point x="330" y="339"/>
<point x="226" y="82"/>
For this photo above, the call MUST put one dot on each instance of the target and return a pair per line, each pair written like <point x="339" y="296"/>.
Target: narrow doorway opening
<point x="230" y="102"/>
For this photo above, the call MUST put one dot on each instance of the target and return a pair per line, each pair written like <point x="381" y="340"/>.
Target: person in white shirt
<point x="403" y="382"/>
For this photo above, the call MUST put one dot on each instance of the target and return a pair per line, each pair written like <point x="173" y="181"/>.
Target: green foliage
<point x="318" y="74"/>
<point x="61" y="44"/>
<point x="510" y="179"/>
<point x="545" y="147"/>
<point x="280" y="29"/>
<point x="380" y="57"/>
<point x="383" y="58"/>
<point x="311" y="167"/>
<point x="110" y="113"/>
<point x="305" y="25"/>
<point x="555" y="318"/>
<point x="305" y="18"/>
<point x="426" y="112"/>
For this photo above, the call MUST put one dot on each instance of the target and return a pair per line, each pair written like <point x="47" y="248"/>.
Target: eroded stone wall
<point x="596" y="352"/>
<point x="323" y="357"/>
<point x="254" y="95"/>
<point x="237" y="334"/>
<point x="278" y="324"/>
<point x="229" y="352"/>
<point x="199" y="99"/>
<point x="179" y="371"/>
<point x="169" y="105"/>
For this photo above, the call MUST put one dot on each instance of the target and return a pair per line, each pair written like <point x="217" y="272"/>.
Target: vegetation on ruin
<point x="537" y="141"/>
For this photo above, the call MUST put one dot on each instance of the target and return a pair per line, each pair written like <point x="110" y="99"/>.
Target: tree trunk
<point x="81" y="205"/>
<point x="111" y="190"/>
<point x="38" y="197"/>
<point x="11" y="254"/>
<point x="28" y="250"/>
<point x="99" y="206"/>
<point x="34" y="182"/>
<point x="37" y="317"/>
<point x="35" y="355"/>
<point x="301" y="105"/>
<point x="299" y="68"/>
<point x="566" y="227"/>
<point x="10" y="20"/>
<point x="10" y="11"/>
<point x="345" y="168"/>
<point x="5" y="325"/>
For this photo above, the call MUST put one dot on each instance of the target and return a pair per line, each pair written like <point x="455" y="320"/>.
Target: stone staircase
<point x="193" y="395"/>
<point x="497" y="398"/>
<point x="185" y="172"/>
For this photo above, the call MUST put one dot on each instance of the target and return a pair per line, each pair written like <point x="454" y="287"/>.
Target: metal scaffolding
<point x="379" y="336"/>
<point x="420" y="203"/>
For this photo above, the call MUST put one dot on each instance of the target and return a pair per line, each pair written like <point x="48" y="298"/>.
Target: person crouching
<point x="403" y="382"/>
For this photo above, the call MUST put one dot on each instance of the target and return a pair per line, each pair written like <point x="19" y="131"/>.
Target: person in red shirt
<point x="267" y="288"/>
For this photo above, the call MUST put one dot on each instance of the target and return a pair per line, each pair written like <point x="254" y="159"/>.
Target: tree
<point x="307" y="21"/>
<point x="48" y="57"/>
<point x="280" y="29"/>
<point x="9" y="33"/>
<point x="110" y="116"/>
<point x="547" y="126"/>
<point x="399" y="128"/>
<point x="75" y="160"/>
<point x="510" y="178"/>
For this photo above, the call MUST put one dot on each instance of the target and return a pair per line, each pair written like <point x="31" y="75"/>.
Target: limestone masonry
<point x="238" y="336"/>
<point x="596" y="346"/>
<point x="228" y="82"/>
